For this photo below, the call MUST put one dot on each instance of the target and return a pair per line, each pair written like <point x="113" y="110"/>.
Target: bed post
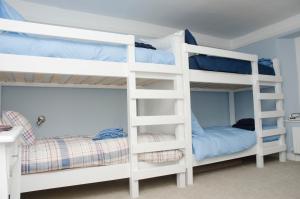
<point x="180" y="107"/>
<point x="279" y="106"/>
<point x="231" y="108"/>
<point x="1" y="99"/>
<point x="257" y="112"/>
<point x="188" y="126"/>
<point x="132" y="130"/>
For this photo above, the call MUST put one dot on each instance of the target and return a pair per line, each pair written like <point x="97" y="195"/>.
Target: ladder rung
<point x="158" y="171"/>
<point x="157" y="120"/>
<point x="271" y="132"/>
<point x="274" y="149"/>
<point x="269" y="78"/>
<point x="156" y="68"/>
<point x="271" y="114"/>
<point x="158" y="146"/>
<point x="157" y="76"/>
<point x="156" y="94"/>
<point x="271" y="96"/>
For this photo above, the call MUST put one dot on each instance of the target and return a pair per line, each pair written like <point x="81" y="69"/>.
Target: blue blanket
<point x="22" y="44"/>
<point x="110" y="134"/>
<point x="219" y="141"/>
<point x="221" y="64"/>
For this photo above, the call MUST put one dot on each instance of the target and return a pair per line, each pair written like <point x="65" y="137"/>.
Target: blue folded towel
<point x="265" y="62"/>
<point x="110" y="134"/>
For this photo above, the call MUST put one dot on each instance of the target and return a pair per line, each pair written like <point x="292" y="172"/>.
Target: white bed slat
<point x="219" y="77"/>
<point x="156" y="94"/>
<point x="271" y="132"/>
<point x="38" y="78"/>
<point x="157" y="120"/>
<point x="271" y="96"/>
<point x="269" y="78"/>
<point x="19" y="77"/>
<point x="271" y="114"/>
<point x="156" y="68"/>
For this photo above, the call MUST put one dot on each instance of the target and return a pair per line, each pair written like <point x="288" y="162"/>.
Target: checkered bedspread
<point x="52" y="154"/>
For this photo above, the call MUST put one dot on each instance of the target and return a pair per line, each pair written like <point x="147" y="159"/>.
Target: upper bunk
<point x="41" y="54"/>
<point x="214" y="68"/>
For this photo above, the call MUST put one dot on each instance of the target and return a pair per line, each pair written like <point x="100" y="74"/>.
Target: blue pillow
<point x="196" y="128"/>
<point x="7" y="12"/>
<point x="189" y="38"/>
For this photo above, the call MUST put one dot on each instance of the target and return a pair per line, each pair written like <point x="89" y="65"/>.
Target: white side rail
<point x="218" y="52"/>
<point x="64" y="32"/>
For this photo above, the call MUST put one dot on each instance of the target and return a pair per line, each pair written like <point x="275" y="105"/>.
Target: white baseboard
<point x="293" y="156"/>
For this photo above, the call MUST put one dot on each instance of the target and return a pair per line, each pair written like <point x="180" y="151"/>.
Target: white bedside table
<point x="10" y="165"/>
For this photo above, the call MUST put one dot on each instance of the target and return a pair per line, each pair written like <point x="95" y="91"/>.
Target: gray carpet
<point x="275" y="181"/>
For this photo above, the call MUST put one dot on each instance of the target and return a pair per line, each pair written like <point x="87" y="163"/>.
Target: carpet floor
<point x="243" y="180"/>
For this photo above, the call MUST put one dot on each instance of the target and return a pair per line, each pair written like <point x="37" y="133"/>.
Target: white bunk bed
<point x="24" y="70"/>
<point x="231" y="83"/>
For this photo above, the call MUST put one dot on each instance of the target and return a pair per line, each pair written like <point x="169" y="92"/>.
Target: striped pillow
<point x="16" y="119"/>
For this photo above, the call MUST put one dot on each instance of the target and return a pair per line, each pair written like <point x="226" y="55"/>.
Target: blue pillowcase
<point x="196" y="128"/>
<point x="189" y="38"/>
<point x="7" y="12"/>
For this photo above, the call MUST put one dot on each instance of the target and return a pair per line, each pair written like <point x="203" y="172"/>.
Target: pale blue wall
<point x="72" y="111"/>
<point x="211" y="108"/>
<point x="69" y="111"/>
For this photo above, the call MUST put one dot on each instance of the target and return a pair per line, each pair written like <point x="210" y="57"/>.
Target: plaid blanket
<point x="50" y="154"/>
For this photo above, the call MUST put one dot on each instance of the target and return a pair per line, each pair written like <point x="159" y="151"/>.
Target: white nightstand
<point x="10" y="164"/>
<point x="296" y="139"/>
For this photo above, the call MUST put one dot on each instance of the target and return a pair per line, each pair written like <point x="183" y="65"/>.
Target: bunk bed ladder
<point x="266" y="148"/>
<point x="137" y="122"/>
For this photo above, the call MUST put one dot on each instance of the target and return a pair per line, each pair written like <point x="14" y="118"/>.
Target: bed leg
<point x="181" y="180"/>
<point x="134" y="188"/>
<point x="16" y="176"/>
<point x="189" y="176"/>
<point x="259" y="161"/>
<point x="282" y="156"/>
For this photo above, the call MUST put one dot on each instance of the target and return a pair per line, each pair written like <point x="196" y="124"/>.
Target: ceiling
<point x="226" y="19"/>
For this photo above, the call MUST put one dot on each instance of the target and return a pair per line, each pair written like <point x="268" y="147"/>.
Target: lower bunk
<point x="221" y="143"/>
<point x="67" y="161"/>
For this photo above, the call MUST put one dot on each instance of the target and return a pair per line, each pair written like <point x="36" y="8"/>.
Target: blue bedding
<point x="219" y="141"/>
<point x="21" y="44"/>
<point x="220" y="64"/>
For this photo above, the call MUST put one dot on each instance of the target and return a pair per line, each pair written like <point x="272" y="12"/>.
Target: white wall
<point x="52" y="15"/>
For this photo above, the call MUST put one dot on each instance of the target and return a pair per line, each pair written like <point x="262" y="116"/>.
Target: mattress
<point x="52" y="154"/>
<point x="22" y="44"/>
<point x="220" y="64"/>
<point x="219" y="141"/>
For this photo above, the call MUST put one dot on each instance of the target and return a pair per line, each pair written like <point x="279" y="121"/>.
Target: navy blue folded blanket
<point x="220" y="64"/>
